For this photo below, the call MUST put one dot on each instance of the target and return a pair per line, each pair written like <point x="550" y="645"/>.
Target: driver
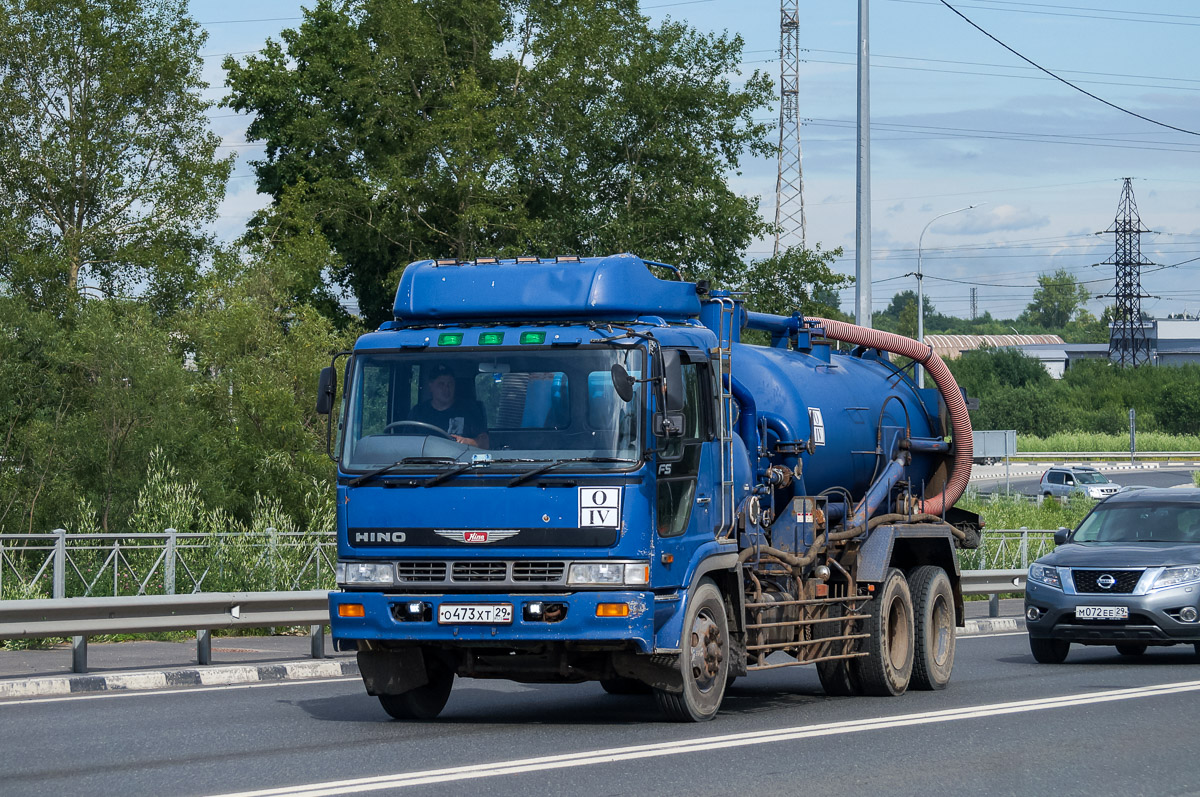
<point x="462" y="419"/>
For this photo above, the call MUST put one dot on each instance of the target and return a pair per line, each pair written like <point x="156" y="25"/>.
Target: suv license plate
<point x="1101" y="612"/>
<point x="475" y="613"/>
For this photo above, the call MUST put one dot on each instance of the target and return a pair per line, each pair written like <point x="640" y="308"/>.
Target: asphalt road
<point x="1099" y="724"/>
<point x="1173" y="476"/>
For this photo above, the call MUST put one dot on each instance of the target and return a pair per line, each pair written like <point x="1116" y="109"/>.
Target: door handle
<point x="704" y="499"/>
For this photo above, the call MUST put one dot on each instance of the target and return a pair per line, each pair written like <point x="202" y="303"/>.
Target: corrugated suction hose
<point x="960" y="423"/>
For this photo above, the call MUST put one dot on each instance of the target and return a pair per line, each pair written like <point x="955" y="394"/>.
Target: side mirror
<point x="1062" y="535"/>
<point x="326" y="386"/>
<point x="672" y="365"/>
<point x="622" y="382"/>
<point x="1069" y="480"/>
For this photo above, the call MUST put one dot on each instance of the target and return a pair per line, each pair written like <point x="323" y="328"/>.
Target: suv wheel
<point x="1131" y="648"/>
<point x="1049" y="651"/>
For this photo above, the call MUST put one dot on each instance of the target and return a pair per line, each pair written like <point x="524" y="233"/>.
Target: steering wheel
<point x="427" y="426"/>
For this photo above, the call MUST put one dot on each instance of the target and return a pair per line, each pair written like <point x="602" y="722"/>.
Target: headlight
<point x="1045" y="574"/>
<point x="1174" y="576"/>
<point x="609" y="573"/>
<point x="365" y="573"/>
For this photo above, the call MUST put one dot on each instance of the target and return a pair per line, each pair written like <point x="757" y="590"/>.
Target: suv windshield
<point x="503" y="405"/>
<point x="1148" y="522"/>
<point x="1085" y="477"/>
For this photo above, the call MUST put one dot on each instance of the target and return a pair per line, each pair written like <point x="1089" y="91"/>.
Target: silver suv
<point x="1062" y="482"/>
<point x="1129" y="576"/>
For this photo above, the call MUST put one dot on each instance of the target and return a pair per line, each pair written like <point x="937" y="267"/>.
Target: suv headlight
<point x="609" y="573"/>
<point x="1045" y="574"/>
<point x="1174" y="576"/>
<point x="365" y="573"/>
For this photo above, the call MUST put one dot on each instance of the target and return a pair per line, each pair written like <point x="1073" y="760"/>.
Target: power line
<point x="1064" y="80"/>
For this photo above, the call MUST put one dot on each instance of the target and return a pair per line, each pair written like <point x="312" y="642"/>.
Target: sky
<point x="956" y="120"/>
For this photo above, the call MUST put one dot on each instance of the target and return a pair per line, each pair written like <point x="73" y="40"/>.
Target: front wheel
<point x="704" y="660"/>
<point x="933" y="611"/>
<point x="1049" y="651"/>
<point x="887" y="668"/>
<point x="424" y="702"/>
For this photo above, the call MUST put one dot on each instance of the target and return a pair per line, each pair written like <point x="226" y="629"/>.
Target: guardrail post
<point x="1024" y="547"/>
<point x="79" y="654"/>
<point x="994" y="605"/>
<point x="169" y="564"/>
<point x="204" y="646"/>
<point x="316" y="636"/>
<point x="59" y="587"/>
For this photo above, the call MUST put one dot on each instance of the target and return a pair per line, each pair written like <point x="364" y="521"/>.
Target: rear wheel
<point x="1131" y="648"/>
<point x="887" y="668"/>
<point x="837" y="677"/>
<point x="704" y="661"/>
<point x="933" y="612"/>
<point x="424" y="702"/>
<point x="1049" y="651"/>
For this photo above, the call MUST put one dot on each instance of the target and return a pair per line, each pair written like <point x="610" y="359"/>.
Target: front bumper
<point x="579" y="624"/>
<point x="1150" y="616"/>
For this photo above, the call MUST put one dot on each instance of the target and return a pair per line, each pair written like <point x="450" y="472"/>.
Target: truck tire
<point x="424" y="702"/>
<point x="837" y="677"/>
<point x="887" y="668"/>
<point x="704" y="660"/>
<point x="1049" y="651"/>
<point x="933" y="620"/>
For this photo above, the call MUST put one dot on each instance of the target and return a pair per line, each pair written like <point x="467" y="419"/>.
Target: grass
<point x="1098" y="441"/>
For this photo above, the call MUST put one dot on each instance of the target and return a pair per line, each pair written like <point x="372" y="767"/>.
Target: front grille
<point x="537" y="572"/>
<point x="420" y="572"/>
<point x="1126" y="581"/>
<point x="479" y="571"/>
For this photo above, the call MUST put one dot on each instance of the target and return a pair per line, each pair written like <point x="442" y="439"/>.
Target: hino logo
<point x="1105" y="581"/>
<point x="362" y="537"/>
<point x="476" y="535"/>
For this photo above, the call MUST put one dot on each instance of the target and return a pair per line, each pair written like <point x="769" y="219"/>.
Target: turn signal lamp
<point x="612" y="609"/>
<point x="450" y="339"/>
<point x="351" y="610"/>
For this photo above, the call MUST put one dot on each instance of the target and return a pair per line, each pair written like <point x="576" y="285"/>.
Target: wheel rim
<point x="943" y="631"/>
<point x="707" y="651"/>
<point x="897" y="634"/>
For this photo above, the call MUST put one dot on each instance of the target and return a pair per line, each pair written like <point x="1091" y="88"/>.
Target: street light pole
<point x="920" y="287"/>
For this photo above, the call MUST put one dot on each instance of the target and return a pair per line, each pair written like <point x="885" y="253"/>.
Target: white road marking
<point x="662" y="749"/>
<point x="990" y="636"/>
<point x="184" y="690"/>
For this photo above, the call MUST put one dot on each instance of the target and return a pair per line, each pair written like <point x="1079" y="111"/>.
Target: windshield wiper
<point x="466" y="466"/>
<point x="406" y="461"/>
<point x="533" y="474"/>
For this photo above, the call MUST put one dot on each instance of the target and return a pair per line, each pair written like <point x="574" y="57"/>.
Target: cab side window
<point x="680" y="460"/>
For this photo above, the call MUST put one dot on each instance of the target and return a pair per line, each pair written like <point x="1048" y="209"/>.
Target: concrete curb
<point x="51" y="686"/>
<point x="992" y="625"/>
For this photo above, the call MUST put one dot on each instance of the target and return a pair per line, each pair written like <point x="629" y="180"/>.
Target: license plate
<point x="1101" y="612"/>
<point x="475" y="613"/>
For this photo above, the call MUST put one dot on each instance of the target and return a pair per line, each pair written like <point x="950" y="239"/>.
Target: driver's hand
<point x="466" y="441"/>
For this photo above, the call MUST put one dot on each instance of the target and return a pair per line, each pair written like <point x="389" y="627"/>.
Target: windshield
<point x="437" y="408"/>
<point x="1090" y="478"/>
<point x="1148" y="522"/>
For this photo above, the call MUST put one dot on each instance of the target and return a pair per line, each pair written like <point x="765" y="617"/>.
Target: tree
<point x="462" y="128"/>
<point x="1056" y="300"/>
<point x="107" y="166"/>
<point x="795" y="280"/>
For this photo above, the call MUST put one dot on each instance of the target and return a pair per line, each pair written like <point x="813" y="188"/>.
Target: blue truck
<point x="570" y="469"/>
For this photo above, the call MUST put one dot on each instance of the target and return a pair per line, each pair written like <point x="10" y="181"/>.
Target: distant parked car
<point x="1062" y="482"/>
<point x="1129" y="576"/>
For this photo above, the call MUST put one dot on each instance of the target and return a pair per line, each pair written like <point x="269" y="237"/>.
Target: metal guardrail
<point x="1072" y="456"/>
<point x="80" y="618"/>
<point x="61" y="565"/>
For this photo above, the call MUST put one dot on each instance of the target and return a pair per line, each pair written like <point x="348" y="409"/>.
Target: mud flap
<point x="392" y="672"/>
<point x="660" y="671"/>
